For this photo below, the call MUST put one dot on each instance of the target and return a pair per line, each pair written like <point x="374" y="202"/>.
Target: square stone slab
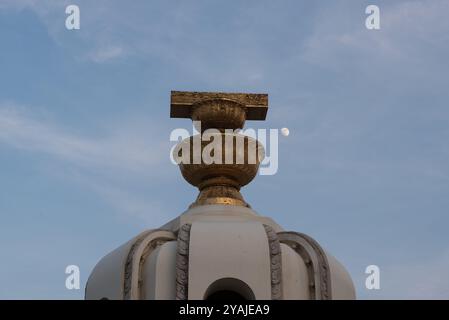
<point x="181" y="102"/>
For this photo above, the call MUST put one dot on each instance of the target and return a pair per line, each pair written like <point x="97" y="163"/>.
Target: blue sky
<point x="84" y="130"/>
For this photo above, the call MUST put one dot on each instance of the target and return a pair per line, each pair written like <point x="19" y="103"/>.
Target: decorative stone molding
<point x="142" y="247"/>
<point x="182" y="262"/>
<point x="183" y="103"/>
<point x="275" y="263"/>
<point x="316" y="262"/>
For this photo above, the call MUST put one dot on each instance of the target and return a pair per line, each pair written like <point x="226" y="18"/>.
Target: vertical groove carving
<point x="275" y="263"/>
<point x="182" y="263"/>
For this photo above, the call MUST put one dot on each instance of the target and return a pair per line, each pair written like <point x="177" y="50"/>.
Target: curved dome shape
<point x="215" y="248"/>
<point x="220" y="248"/>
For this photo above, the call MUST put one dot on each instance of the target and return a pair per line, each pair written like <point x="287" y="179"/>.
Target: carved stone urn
<point x="219" y="249"/>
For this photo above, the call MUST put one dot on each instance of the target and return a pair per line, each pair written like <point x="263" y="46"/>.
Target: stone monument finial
<point x="220" y="161"/>
<point x="219" y="249"/>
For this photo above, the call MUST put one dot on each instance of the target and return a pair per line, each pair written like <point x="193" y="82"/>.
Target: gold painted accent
<point x="256" y="105"/>
<point x="219" y="114"/>
<point x="220" y="183"/>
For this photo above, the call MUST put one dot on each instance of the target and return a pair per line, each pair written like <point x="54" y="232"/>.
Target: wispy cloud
<point x="97" y="163"/>
<point x="129" y="205"/>
<point x="341" y="39"/>
<point x="124" y="149"/>
<point x="105" y="54"/>
<point x="173" y="33"/>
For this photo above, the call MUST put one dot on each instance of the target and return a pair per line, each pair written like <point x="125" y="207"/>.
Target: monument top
<point x="183" y="103"/>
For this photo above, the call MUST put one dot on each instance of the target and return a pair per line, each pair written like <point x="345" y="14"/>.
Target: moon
<point x="285" y="132"/>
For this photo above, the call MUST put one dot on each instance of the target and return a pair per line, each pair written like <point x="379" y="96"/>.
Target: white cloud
<point x="105" y="54"/>
<point x="407" y="28"/>
<point x="52" y="15"/>
<point x="126" y="149"/>
<point x="165" y="32"/>
<point x="98" y="163"/>
<point x="131" y="206"/>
